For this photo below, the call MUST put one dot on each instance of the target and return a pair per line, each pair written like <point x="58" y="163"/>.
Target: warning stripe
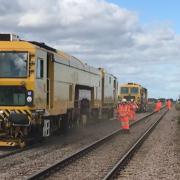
<point x="19" y="111"/>
<point x="28" y="112"/>
<point x="1" y="116"/>
<point x="6" y="113"/>
<point x="16" y="111"/>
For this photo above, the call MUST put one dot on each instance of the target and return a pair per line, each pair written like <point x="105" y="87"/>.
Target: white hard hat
<point x="124" y="100"/>
<point x="132" y="100"/>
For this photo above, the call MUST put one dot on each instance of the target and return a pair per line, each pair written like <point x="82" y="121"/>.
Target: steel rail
<point x="11" y="153"/>
<point x="16" y="151"/>
<point x="120" y="165"/>
<point x="61" y="164"/>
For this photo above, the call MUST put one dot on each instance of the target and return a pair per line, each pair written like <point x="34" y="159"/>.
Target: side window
<point x="39" y="68"/>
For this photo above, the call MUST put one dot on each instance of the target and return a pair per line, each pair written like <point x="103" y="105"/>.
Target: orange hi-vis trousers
<point x="132" y="115"/>
<point x="168" y="105"/>
<point x="157" y="107"/>
<point x="123" y="115"/>
<point x="124" y="122"/>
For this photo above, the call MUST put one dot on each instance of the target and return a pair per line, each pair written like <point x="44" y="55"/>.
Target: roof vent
<point x="9" y="37"/>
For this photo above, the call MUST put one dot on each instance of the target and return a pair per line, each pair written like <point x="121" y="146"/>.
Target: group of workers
<point x="126" y="111"/>
<point x="158" y="105"/>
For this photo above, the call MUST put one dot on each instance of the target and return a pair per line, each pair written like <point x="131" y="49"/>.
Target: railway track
<point x="4" y="153"/>
<point x="83" y="152"/>
<point x="120" y="165"/>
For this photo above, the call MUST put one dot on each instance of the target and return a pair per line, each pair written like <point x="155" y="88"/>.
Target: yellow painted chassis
<point x="8" y="143"/>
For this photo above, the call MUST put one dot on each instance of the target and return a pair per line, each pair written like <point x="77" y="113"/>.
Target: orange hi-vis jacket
<point x="123" y="115"/>
<point x="123" y="110"/>
<point x="158" y="106"/>
<point x="168" y="104"/>
<point x="133" y="108"/>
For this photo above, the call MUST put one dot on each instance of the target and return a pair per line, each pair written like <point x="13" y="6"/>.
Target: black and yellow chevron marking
<point x="7" y="112"/>
<point x="1" y="116"/>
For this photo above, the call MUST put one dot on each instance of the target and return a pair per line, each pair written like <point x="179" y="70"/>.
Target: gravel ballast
<point x="98" y="162"/>
<point x="159" y="156"/>
<point x="24" y="164"/>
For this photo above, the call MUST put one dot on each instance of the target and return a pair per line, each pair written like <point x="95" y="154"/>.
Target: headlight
<point x="29" y="93"/>
<point x="29" y="98"/>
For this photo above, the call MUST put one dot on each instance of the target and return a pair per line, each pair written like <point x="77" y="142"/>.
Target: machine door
<point x="50" y="81"/>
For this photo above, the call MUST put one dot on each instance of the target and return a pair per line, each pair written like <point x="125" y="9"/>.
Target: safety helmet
<point x="124" y="100"/>
<point x="132" y="100"/>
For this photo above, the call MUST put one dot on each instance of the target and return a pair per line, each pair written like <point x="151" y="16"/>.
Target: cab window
<point x="134" y="90"/>
<point x="124" y="90"/>
<point x="39" y="69"/>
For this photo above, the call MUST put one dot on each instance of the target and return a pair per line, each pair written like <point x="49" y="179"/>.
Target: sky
<point x="154" y="11"/>
<point x="137" y="41"/>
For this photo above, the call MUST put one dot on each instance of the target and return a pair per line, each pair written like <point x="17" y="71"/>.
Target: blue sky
<point x="154" y="11"/>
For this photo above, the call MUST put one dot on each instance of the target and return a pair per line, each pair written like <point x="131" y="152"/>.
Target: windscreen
<point x="134" y="90"/>
<point x="13" y="64"/>
<point x="124" y="90"/>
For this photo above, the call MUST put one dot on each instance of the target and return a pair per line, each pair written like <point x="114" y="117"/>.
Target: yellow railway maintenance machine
<point x="41" y="90"/>
<point x="136" y="92"/>
<point x="109" y="93"/>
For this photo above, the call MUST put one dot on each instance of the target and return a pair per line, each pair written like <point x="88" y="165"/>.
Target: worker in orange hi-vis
<point x="123" y="115"/>
<point x="158" y="106"/>
<point x="168" y="104"/>
<point x="130" y="110"/>
<point x="133" y="108"/>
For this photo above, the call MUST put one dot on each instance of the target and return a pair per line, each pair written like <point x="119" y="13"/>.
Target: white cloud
<point x="100" y="33"/>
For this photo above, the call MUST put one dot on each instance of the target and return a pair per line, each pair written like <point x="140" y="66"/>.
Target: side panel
<point x="109" y="92"/>
<point x="115" y="89"/>
<point x="40" y="83"/>
<point x="66" y="78"/>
